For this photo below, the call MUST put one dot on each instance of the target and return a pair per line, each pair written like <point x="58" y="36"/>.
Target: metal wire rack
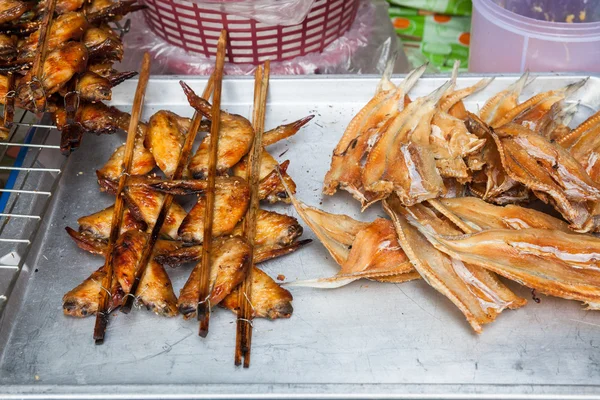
<point x="32" y="175"/>
<point x="30" y="162"/>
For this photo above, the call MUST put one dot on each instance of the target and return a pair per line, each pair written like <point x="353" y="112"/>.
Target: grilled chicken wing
<point x="64" y="6"/>
<point x="83" y="300"/>
<point x="145" y="204"/>
<point x="268" y="299"/>
<point x="103" y="44"/>
<point x="98" y="224"/>
<point x="109" y="174"/>
<point x="164" y="139"/>
<point x="155" y="291"/>
<point x="59" y="67"/>
<point x="11" y="10"/>
<point x="276" y="235"/>
<point x="270" y="187"/>
<point x="229" y="258"/>
<point x="66" y="27"/>
<point x="8" y="47"/>
<point x="126" y="256"/>
<point x="231" y="202"/>
<point x="235" y="138"/>
<point x="284" y="131"/>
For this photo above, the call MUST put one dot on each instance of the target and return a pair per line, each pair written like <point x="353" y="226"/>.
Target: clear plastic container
<point x="535" y="35"/>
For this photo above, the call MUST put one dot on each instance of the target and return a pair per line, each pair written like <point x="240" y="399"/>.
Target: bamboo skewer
<point x="42" y="46"/>
<point x="244" y="320"/>
<point x="203" y="308"/>
<point x="35" y="85"/>
<point x="184" y="155"/>
<point x="115" y="228"/>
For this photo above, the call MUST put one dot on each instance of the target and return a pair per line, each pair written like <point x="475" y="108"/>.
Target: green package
<point x="451" y="7"/>
<point x="437" y="38"/>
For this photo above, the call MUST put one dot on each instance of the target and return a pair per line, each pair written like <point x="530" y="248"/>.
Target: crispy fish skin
<point x="229" y="260"/>
<point x="362" y="132"/>
<point x="231" y="202"/>
<point x="478" y="294"/>
<point x="481" y="215"/>
<point x="401" y="161"/>
<point x="549" y="170"/>
<point x="496" y="107"/>
<point x="268" y="299"/>
<point x="363" y="250"/>
<point x="520" y="256"/>
<point x="164" y="139"/>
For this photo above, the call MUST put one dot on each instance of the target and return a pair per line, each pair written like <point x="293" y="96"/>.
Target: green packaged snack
<point x="440" y="39"/>
<point x="451" y="7"/>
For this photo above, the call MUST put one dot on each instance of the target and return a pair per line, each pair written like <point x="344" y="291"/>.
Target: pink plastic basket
<point x="196" y="29"/>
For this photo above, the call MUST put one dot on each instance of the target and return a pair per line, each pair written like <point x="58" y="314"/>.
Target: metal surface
<point x="363" y="340"/>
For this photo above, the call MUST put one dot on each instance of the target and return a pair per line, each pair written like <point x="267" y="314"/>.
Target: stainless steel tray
<point x="363" y="340"/>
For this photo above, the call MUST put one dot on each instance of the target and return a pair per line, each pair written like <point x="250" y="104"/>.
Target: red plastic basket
<point x="196" y="29"/>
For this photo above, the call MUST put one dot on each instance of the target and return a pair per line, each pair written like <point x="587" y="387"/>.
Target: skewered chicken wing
<point x="11" y="10"/>
<point x="231" y="202"/>
<point x="108" y="176"/>
<point x="270" y="187"/>
<point x="83" y="300"/>
<point x="229" y="259"/>
<point x="164" y="139"/>
<point x="235" y="138"/>
<point x="98" y="224"/>
<point x="268" y="299"/>
<point x="66" y="27"/>
<point x="59" y="67"/>
<point x="145" y="205"/>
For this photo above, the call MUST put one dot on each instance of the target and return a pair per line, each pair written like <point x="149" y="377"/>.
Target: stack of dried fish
<point x="158" y="144"/>
<point x="455" y="185"/>
<point x="58" y="56"/>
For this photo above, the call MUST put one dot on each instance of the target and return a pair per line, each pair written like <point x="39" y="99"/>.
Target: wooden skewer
<point x="42" y="45"/>
<point x="244" y="321"/>
<point x="115" y="228"/>
<point x="203" y="309"/>
<point x="184" y="155"/>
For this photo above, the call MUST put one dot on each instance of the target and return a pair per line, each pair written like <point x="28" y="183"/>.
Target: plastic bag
<point x="365" y="48"/>
<point x="270" y="12"/>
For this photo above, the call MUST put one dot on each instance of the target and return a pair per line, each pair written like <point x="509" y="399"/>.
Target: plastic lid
<point x="519" y="16"/>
